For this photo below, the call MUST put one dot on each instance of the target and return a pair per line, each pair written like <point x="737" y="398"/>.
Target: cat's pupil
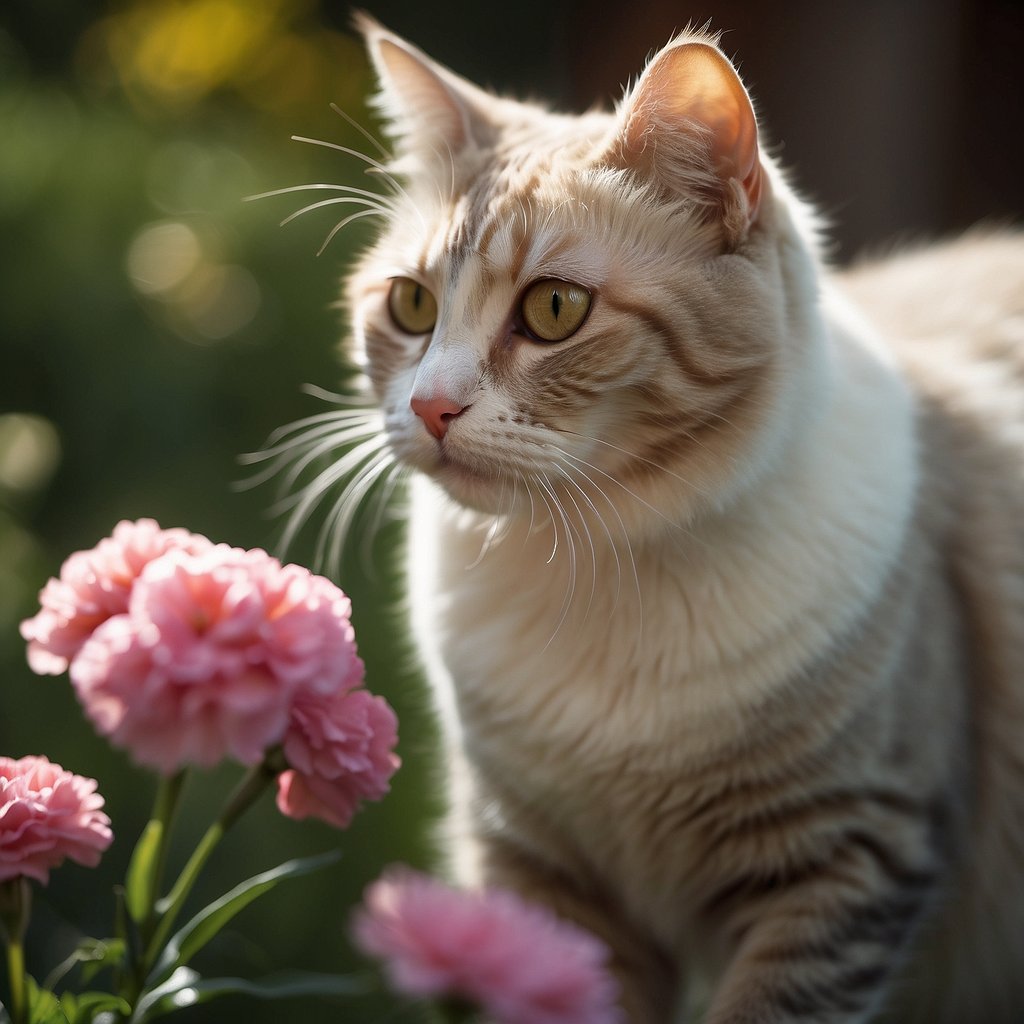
<point x="417" y="296"/>
<point x="556" y="303"/>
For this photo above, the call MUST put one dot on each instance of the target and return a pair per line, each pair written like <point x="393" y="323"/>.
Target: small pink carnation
<point x="339" y="748"/>
<point x="47" y="814"/>
<point x="210" y="654"/>
<point x="516" y="961"/>
<point x="93" y="586"/>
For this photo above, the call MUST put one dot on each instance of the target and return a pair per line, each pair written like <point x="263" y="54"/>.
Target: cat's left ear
<point x="690" y="123"/>
<point x="428" y="108"/>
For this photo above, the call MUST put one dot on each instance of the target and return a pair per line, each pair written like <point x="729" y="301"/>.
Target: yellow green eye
<point x="553" y="310"/>
<point x="411" y="306"/>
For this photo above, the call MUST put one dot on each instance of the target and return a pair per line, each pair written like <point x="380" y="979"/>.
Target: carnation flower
<point x="517" y="962"/>
<point x="93" y="586"/>
<point x="46" y="815"/>
<point x="211" y="652"/>
<point x="340" y="751"/>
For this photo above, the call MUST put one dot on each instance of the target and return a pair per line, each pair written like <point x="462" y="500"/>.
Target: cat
<point x="716" y="554"/>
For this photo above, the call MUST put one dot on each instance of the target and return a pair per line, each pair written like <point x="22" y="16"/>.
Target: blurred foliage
<point x="154" y="327"/>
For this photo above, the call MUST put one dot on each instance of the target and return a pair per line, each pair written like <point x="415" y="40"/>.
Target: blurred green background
<point x="154" y="326"/>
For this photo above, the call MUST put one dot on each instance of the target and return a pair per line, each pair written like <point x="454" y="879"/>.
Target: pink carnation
<point x="518" y="962"/>
<point x="47" y="814"/>
<point x="93" y="586"/>
<point x="210" y="654"/>
<point x="340" y="751"/>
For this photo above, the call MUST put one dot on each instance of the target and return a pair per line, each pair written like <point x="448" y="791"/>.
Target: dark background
<point x="153" y="326"/>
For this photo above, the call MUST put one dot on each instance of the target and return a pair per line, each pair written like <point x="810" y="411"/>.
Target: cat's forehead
<point x="513" y="204"/>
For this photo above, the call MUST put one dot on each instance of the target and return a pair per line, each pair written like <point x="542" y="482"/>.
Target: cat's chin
<point x="472" y="488"/>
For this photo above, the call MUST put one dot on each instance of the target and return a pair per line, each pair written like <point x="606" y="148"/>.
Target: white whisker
<point x="622" y="525"/>
<point x="590" y="542"/>
<point x="339" y="201"/>
<point x="344" y="224"/>
<point x="570" y="589"/>
<point x="369" y="136"/>
<point x="335" y="532"/>
<point x="632" y="455"/>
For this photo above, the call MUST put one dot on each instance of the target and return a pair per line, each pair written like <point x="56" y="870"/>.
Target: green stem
<point x="168" y="796"/>
<point x="15" y="905"/>
<point x="16" y="978"/>
<point x="245" y="795"/>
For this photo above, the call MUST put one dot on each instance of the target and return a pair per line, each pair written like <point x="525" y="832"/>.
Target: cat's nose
<point x="436" y="413"/>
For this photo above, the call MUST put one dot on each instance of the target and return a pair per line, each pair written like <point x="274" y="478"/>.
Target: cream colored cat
<point x="720" y="581"/>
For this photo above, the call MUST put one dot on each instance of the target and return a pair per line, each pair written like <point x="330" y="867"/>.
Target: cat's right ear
<point x="428" y="108"/>
<point x="689" y="123"/>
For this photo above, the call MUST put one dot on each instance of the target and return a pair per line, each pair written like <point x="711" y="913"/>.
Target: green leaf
<point x="89" y="1004"/>
<point x="43" y="1006"/>
<point x="186" y="942"/>
<point x="140" y="881"/>
<point x="286" y="985"/>
<point x="180" y="979"/>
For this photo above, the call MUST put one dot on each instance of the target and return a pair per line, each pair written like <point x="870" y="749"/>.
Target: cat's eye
<point x="412" y="307"/>
<point x="553" y="310"/>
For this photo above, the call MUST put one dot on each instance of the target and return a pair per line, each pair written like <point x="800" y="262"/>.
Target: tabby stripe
<point x="750" y="887"/>
<point x="900" y="873"/>
<point x="674" y="347"/>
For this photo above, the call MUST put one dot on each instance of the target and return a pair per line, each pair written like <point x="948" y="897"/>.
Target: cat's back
<point x="948" y="306"/>
<point x="954" y="317"/>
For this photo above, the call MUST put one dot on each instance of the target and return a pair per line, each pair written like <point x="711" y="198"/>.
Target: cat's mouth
<point x="476" y="486"/>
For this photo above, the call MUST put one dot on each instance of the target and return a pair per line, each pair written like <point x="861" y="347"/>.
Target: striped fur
<point x="723" y="596"/>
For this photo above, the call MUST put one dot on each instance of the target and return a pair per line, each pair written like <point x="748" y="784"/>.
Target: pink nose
<point x="436" y="413"/>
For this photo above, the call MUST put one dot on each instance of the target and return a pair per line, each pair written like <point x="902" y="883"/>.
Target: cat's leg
<point x="645" y="974"/>
<point x="824" y="946"/>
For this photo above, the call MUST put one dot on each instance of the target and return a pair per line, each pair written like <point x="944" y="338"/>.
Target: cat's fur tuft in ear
<point x="689" y="123"/>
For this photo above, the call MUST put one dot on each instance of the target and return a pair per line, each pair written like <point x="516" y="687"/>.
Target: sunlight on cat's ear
<point x="690" y="122"/>
<point x="427" y="106"/>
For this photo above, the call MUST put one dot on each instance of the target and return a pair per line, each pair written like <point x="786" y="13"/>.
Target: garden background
<point x="154" y="326"/>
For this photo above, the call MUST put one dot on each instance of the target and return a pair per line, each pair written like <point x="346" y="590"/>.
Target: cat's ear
<point x="427" y="107"/>
<point x="689" y="122"/>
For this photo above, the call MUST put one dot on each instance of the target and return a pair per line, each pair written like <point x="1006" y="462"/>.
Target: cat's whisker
<point x="366" y="134"/>
<point x="344" y="224"/>
<point x="296" y="451"/>
<point x="604" y="526"/>
<point x="570" y="589"/>
<point x="329" y="444"/>
<point x="334" y="416"/>
<point x="622" y="526"/>
<point x="500" y="525"/>
<point x="554" y="528"/>
<point x="314" y="186"/>
<point x="339" y="519"/>
<point x="590" y="542"/>
<point x="376" y="165"/>
<point x="308" y="437"/>
<point x="340" y="201"/>
<point x="575" y="458"/>
<point x="361" y="403"/>
<point x="492" y="530"/>
<point x="303" y="501"/>
<point x="632" y="455"/>
<point x="384" y="496"/>
<point x="533" y="513"/>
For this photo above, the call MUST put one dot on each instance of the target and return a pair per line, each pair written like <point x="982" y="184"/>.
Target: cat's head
<point x="592" y="308"/>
